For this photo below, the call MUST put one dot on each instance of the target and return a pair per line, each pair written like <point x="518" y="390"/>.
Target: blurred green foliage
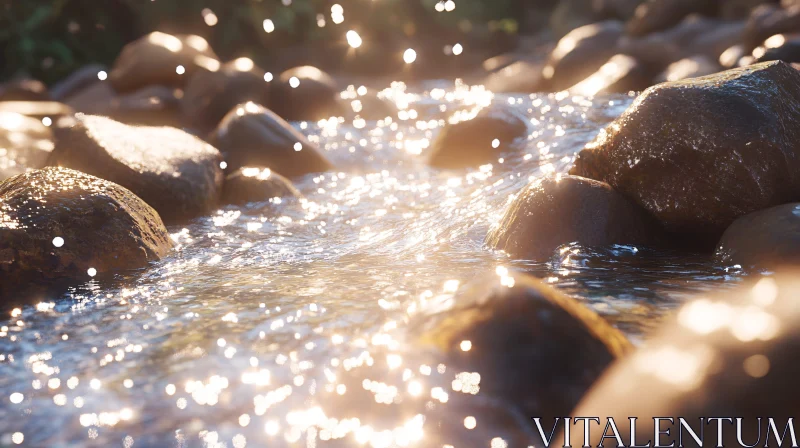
<point x="48" y="39"/>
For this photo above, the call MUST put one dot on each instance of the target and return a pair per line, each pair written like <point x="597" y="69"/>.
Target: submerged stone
<point x="734" y="354"/>
<point x="580" y="53"/>
<point x="765" y="239"/>
<point x="256" y="184"/>
<point x="478" y="140"/>
<point x="699" y="153"/>
<point x="25" y="143"/>
<point x="554" y="211"/>
<point x="252" y="135"/>
<point x="530" y="344"/>
<point x="60" y="223"/>
<point x="161" y="59"/>
<point x="305" y="93"/>
<point x="178" y="174"/>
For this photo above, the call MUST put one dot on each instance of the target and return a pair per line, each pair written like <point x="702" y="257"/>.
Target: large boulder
<point x="765" y="239"/>
<point x="177" y="174"/>
<point x="305" y="93"/>
<point x="59" y="223"/>
<point x="621" y="74"/>
<point x="477" y="140"/>
<point x="25" y="143"/>
<point x="257" y="184"/>
<point x="731" y="355"/>
<point x="530" y="344"/>
<point x="252" y="135"/>
<point x="581" y="52"/>
<point x="554" y="211"/>
<point x="658" y="15"/>
<point x="161" y="59"/>
<point x="699" y="153"/>
<point x="210" y="95"/>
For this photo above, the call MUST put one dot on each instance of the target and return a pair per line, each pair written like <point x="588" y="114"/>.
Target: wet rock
<point x="715" y="41"/>
<point x="478" y="140"/>
<point x="621" y="74"/>
<point x="768" y="20"/>
<point x="581" y="52"/>
<point x="156" y="59"/>
<point x="25" y="143"/>
<point x="519" y="77"/>
<point x="305" y="93"/>
<point x="554" y="211"/>
<point x="740" y="9"/>
<point x="252" y="135"/>
<point x="499" y="62"/>
<point x="37" y="109"/>
<point x="256" y="184"/>
<point x="779" y="47"/>
<point x="766" y="239"/>
<point x="692" y="67"/>
<point x="60" y="223"/>
<point x="658" y="15"/>
<point x="701" y="152"/>
<point x="571" y="14"/>
<point x="728" y="355"/>
<point x="79" y="80"/>
<point x="730" y="57"/>
<point x="210" y="95"/>
<point x="512" y="330"/>
<point x="24" y="90"/>
<point x="152" y="105"/>
<point x="618" y="9"/>
<point x="176" y="173"/>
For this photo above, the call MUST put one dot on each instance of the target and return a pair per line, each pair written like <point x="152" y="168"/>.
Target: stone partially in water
<point x="479" y="140"/>
<point x="658" y="15"/>
<point x="531" y="345"/>
<point x="252" y="135"/>
<point x="305" y="93"/>
<point x="621" y="74"/>
<point x="210" y="95"/>
<point x="765" y="239"/>
<point x="730" y="355"/>
<point x="161" y="59"/>
<point x="25" y="143"/>
<point x="581" y="52"/>
<point x="178" y="174"/>
<point x="24" y="90"/>
<point x="59" y="223"/>
<point x="554" y="211"/>
<point x="699" y="153"/>
<point x="256" y="184"/>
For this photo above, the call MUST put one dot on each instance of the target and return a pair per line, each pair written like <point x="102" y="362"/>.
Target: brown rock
<point x="24" y="90"/>
<point x="699" y="153"/>
<point x="621" y="74"/>
<point x="305" y="93"/>
<point x="581" y="52"/>
<point x="479" y="140"/>
<point x="37" y="109"/>
<point x="519" y="77"/>
<point x="154" y="60"/>
<point x="59" y="223"/>
<point x="730" y="57"/>
<point x="766" y="239"/>
<point x="692" y="67"/>
<point x="658" y="15"/>
<point x="768" y="20"/>
<point x="257" y="184"/>
<point x="780" y="47"/>
<point x="152" y="105"/>
<point x="176" y="173"/>
<point x="252" y="135"/>
<point x="554" y="211"/>
<point x="25" y="143"/>
<point x="78" y="81"/>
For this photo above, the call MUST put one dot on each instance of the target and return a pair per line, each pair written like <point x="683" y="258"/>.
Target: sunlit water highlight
<point x="242" y="336"/>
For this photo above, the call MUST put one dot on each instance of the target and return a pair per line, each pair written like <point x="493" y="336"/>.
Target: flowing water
<point x="243" y="335"/>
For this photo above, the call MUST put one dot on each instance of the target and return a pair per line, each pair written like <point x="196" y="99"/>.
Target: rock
<point x="715" y="41"/>
<point x="252" y="135"/>
<point x="305" y="93"/>
<point x="554" y="211"/>
<point x="692" y="67"/>
<point x="210" y="95"/>
<point x="152" y="105"/>
<point x="512" y="330"/>
<point x="740" y="9"/>
<point x="621" y="74"/>
<point x="518" y="77"/>
<point x="499" y="62"/>
<point x="766" y="239"/>
<point x="729" y="355"/>
<point x="155" y="60"/>
<point x="658" y="15"/>
<point x="768" y="20"/>
<point x="24" y="90"/>
<point x="581" y="52"/>
<point x="59" y="223"/>
<point x="730" y="57"/>
<point x="618" y="9"/>
<point x="25" y="143"/>
<point x="255" y="184"/>
<point x="479" y="140"/>
<point x="176" y="173"/>
<point x="701" y="152"/>
<point x="78" y="81"/>
<point x="571" y="14"/>
<point x="37" y="109"/>
<point x="779" y="47"/>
